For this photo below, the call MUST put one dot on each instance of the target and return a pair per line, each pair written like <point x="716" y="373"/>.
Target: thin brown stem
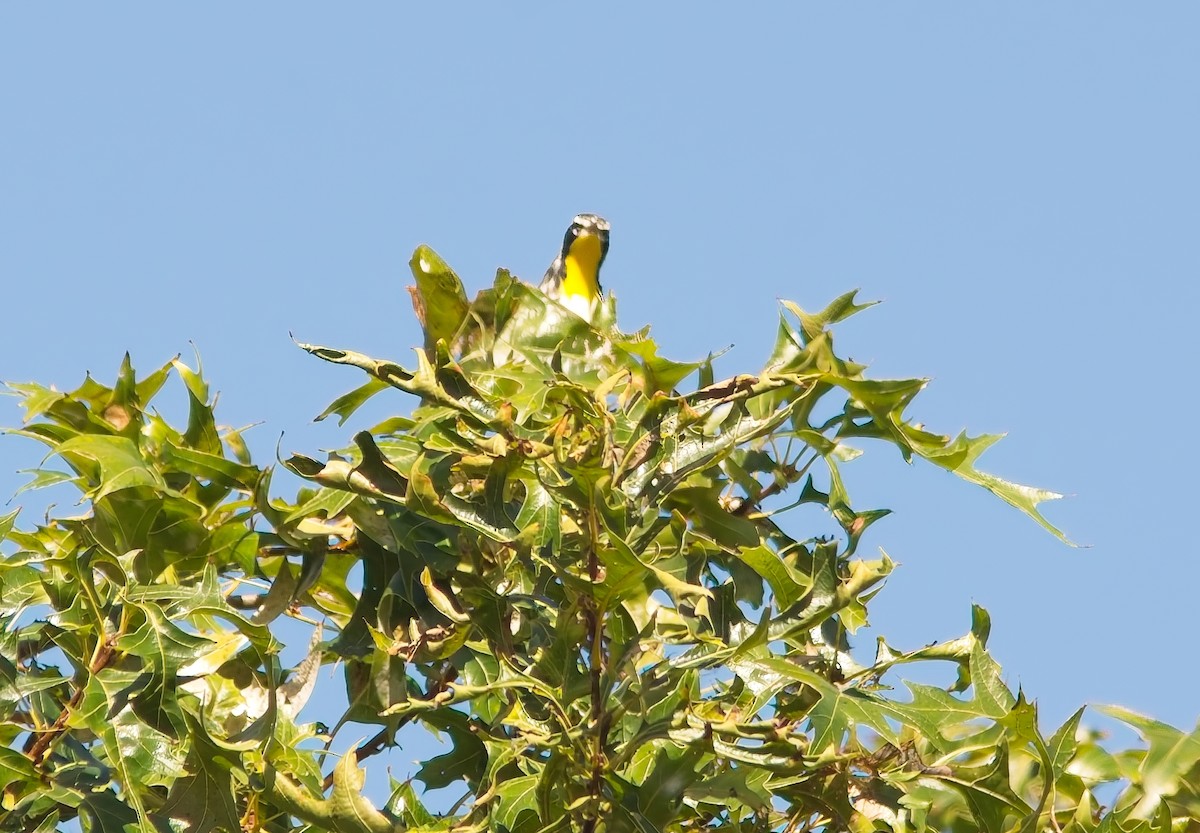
<point x="38" y="750"/>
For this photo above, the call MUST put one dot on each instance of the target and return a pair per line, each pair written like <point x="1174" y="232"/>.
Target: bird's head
<point x="587" y="232"/>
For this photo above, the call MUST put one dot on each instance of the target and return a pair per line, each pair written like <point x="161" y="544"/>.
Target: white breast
<point x="579" y="304"/>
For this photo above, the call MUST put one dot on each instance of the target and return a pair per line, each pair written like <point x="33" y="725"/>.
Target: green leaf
<point x="204" y="799"/>
<point x="36" y="399"/>
<point x="406" y="805"/>
<point x="743" y="784"/>
<point x="374" y="475"/>
<point x="1063" y="744"/>
<point x="347" y="801"/>
<point x="43" y="478"/>
<point x="516" y="796"/>
<point x="465" y="762"/>
<point x="201" y="433"/>
<point x="442" y="301"/>
<point x="16" y="685"/>
<point x="108" y="814"/>
<point x="674" y="771"/>
<point x="656" y="373"/>
<point x="540" y="518"/>
<point x="213" y="467"/>
<point x="345" y="406"/>
<point x="988" y="793"/>
<point x="6" y="523"/>
<point x="841" y="308"/>
<point x="110" y="464"/>
<point x="15" y="768"/>
<point x="162" y="643"/>
<point x="703" y="507"/>
<point x="959" y="457"/>
<point x="443" y="599"/>
<point x="836" y="714"/>
<point x="627" y="568"/>
<point x="1170" y="757"/>
<point x="788" y="585"/>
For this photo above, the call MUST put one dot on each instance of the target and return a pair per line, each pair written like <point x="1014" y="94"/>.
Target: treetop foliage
<point x="573" y="558"/>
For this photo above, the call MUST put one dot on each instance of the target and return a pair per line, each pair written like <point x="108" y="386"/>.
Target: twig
<point x="47" y="737"/>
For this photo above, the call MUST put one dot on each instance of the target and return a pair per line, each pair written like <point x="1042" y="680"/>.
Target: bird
<point x="573" y="279"/>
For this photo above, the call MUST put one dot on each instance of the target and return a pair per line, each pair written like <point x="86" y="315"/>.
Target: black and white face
<point x="585" y="225"/>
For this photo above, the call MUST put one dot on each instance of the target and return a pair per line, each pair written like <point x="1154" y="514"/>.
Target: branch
<point x="37" y="751"/>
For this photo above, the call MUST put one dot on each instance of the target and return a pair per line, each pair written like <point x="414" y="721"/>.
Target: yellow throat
<point x="582" y="268"/>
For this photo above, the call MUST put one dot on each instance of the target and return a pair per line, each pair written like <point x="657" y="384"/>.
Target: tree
<point x="578" y="569"/>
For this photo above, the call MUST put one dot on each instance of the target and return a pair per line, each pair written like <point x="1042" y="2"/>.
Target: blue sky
<point x="1019" y="182"/>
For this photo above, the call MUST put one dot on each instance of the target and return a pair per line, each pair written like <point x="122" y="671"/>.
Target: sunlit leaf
<point x="443" y="302"/>
<point x="345" y="406"/>
<point x="788" y="585"/>
<point x="1170" y="756"/>
<point x="110" y="463"/>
